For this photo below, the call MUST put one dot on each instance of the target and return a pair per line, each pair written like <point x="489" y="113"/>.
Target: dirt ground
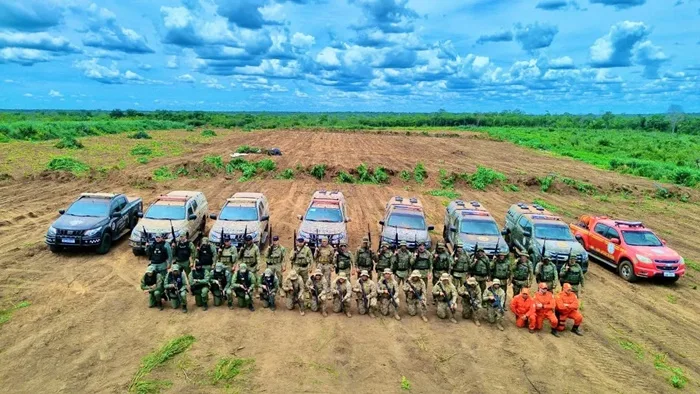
<point x="88" y="325"/>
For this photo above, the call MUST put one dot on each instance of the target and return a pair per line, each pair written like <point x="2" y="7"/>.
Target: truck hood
<point x="70" y="222"/>
<point x="484" y="241"/>
<point x="154" y="226"/>
<point x="322" y="228"/>
<point x="405" y="234"/>
<point x="561" y="247"/>
<point x="659" y="253"/>
<point x="231" y="227"/>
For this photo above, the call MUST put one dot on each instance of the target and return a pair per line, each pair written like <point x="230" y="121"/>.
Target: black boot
<point x="160" y="305"/>
<point x="250" y="307"/>
<point x="576" y="330"/>
<point x="205" y="306"/>
<point x="555" y="332"/>
<point x="184" y="309"/>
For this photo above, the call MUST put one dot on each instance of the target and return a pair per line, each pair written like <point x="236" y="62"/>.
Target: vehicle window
<point x="329" y="215"/>
<point x="171" y="212"/>
<point x="641" y="238"/>
<point x="553" y="231"/>
<point x="612" y="233"/>
<point x="525" y="224"/>
<point x="480" y="227"/>
<point x="601" y="229"/>
<point x="190" y="211"/>
<point x="413" y="222"/>
<point x="239" y="213"/>
<point x="95" y="207"/>
<point x="260" y="211"/>
<point x="194" y="206"/>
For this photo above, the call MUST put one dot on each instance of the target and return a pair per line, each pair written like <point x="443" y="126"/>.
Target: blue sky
<point x="576" y="56"/>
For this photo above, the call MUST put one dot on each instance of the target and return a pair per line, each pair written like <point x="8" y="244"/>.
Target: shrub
<point x="214" y="161"/>
<point x="485" y="176"/>
<point x="405" y="176"/>
<point x="140" y="135"/>
<point x="208" y="133"/>
<point x="546" y="182"/>
<point x="142" y="160"/>
<point x="449" y="193"/>
<point x="286" y="174"/>
<point x="266" y="165"/>
<point x="65" y="163"/>
<point x="447" y="181"/>
<point x="380" y="175"/>
<point x="163" y="174"/>
<point x="344" y="177"/>
<point x="318" y="171"/>
<point x="419" y="173"/>
<point x="141" y="150"/>
<point x="511" y="188"/>
<point x="248" y="149"/>
<point x="69" y="143"/>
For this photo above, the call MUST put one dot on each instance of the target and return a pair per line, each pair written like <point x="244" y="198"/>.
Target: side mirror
<point x="139" y="214"/>
<point x="453" y="229"/>
<point x="300" y="217"/>
<point x="264" y="218"/>
<point x="663" y="241"/>
<point x="348" y="220"/>
<point x="616" y="241"/>
<point x="212" y="216"/>
<point x="381" y="222"/>
<point x="579" y="237"/>
<point x="192" y="217"/>
<point x="61" y="211"/>
<point x="505" y="231"/>
<point x="431" y="228"/>
<point x="116" y="214"/>
<point x="527" y="234"/>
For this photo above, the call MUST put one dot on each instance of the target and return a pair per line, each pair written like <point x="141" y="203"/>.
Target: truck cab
<point x="404" y="220"/>
<point x="242" y="214"/>
<point x="327" y="216"/>
<point x="533" y="229"/>
<point x="170" y="215"/>
<point x="630" y="247"/>
<point x="471" y="224"/>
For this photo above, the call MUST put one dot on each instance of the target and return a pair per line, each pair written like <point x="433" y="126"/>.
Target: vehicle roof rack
<point x="460" y="203"/>
<point x="475" y="204"/>
<point x="413" y="200"/>
<point x="628" y="224"/>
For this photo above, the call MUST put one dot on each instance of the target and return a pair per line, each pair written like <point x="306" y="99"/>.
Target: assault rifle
<point x="391" y="294"/>
<point x="447" y="298"/>
<point x="365" y="301"/>
<point x="296" y="300"/>
<point x="474" y="301"/>
<point x="268" y="294"/>
<point x="315" y="290"/>
<point x="414" y="291"/>
<point x="245" y="233"/>
<point x="172" y="231"/>
<point x="497" y="301"/>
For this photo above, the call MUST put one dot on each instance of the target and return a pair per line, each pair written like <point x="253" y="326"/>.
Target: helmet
<point x="480" y="249"/>
<point x="243" y="267"/>
<point x="441" y="245"/>
<point x="219" y="267"/>
<point x="293" y="275"/>
<point x="268" y="272"/>
<point x="445" y="276"/>
<point x="543" y="285"/>
<point x="472" y="281"/>
<point x="364" y="273"/>
<point x="385" y="245"/>
<point x="387" y="271"/>
<point x="497" y="281"/>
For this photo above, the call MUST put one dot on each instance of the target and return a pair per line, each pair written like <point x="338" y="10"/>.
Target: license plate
<point x="669" y="274"/>
<point x="68" y="240"/>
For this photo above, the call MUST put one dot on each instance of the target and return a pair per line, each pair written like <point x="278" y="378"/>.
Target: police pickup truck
<point x="94" y="220"/>
<point x="472" y="225"/>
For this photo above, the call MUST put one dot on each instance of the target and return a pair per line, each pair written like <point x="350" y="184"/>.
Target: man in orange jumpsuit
<point x="523" y="307"/>
<point x="567" y="308"/>
<point x="544" y="309"/>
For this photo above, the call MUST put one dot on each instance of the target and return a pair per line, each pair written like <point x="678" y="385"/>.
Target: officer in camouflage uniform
<point x="318" y="287"/>
<point x="342" y="291"/>
<point x="184" y="252"/>
<point x="401" y="263"/>
<point x="343" y="260"/>
<point x="546" y="271"/>
<point x="500" y="269"/>
<point x="302" y="260"/>
<point x="275" y="258"/>
<point x="415" y="291"/>
<point x="269" y="285"/>
<point x="387" y="290"/>
<point x="480" y="268"/>
<point x="442" y="262"/>
<point x="384" y="259"/>
<point x="228" y="254"/>
<point x="250" y="255"/>
<point x="522" y="273"/>
<point x="176" y="287"/>
<point x="445" y="294"/>
<point x="244" y="286"/>
<point x="471" y="300"/>
<point x="494" y="298"/>
<point x="572" y="273"/>
<point x="324" y="258"/>
<point x="160" y="254"/>
<point x="152" y="284"/>
<point x="206" y="254"/>
<point x="200" y="280"/>
<point x="460" y="268"/>
<point x="422" y="261"/>
<point x="221" y="279"/>
<point x="365" y="257"/>
<point x="294" y="291"/>
<point x="366" y="294"/>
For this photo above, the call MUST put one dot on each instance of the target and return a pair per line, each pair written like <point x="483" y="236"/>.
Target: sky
<point x="577" y="56"/>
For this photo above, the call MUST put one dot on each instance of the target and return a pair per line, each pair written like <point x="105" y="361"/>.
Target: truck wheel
<point x="137" y="251"/>
<point x="105" y="243"/>
<point x="626" y="271"/>
<point x="132" y="222"/>
<point x="55" y="248"/>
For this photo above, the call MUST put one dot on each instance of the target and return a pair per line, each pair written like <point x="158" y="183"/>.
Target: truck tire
<point x="55" y="248"/>
<point x="132" y="221"/>
<point x="137" y="251"/>
<point x="105" y="243"/>
<point x="626" y="271"/>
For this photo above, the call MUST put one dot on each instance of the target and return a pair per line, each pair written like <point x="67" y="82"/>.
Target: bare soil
<point x="88" y="325"/>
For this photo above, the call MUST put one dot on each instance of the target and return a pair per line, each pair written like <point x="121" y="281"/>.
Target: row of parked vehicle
<point x="97" y="219"/>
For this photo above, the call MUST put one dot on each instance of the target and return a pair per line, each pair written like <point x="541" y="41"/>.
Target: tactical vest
<point x="269" y="282"/>
<point x="549" y="271"/>
<point x="274" y="255"/>
<point x="344" y="261"/>
<point x="500" y="269"/>
<point x="403" y="261"/>
<point x="175" y="279"/>
<point x="461" y="263"/>
<point x="301" y="260"/>
<point x="183" y="251"/>
<point x="243" y="280"/>
<point x="481" y="268"/>
<point x="364" y="258"/>
<point x="159" y="255"/>
<point x="392" y="291"/>
<point x="248" y="256"/>
<point x="199" y="275"/>
<point x="573" y="275"/>
<point x="150" y="280"/>
<point x="384" y="261"/>
<point x="221" y="278"/>
<point x="422" y="261"/>
<point x="325" y="255"/>
<point x="442" y="263"/>
<point x="206" y="257"/>
<point x="521" y="272"/>
<point x="227" y="258"/>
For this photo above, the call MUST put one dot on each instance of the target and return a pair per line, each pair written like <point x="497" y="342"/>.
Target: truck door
<point x="612" y="249"/>
<point x="119" y="224"/>
<point x="523" y="227"/>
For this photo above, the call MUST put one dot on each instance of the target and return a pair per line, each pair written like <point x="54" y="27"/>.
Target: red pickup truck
<point x="634" y="250"/>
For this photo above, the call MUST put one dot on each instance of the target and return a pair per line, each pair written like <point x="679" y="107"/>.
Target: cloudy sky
<point x="577" y="56"/>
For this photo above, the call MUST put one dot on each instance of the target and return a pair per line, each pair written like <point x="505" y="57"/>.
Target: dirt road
<point x="88" y="324"/>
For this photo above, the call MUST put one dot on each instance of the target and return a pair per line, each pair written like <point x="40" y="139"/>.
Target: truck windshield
<point x="95" y="207"/>
<point x="553" y="231"/>
<point x="329" y="215"/>
<point x="641" y="238"/>
<point x="167" y="212"/>
<point x="480" y="227"/>
<point x="239" y="214"/>
<point x="413" y="222"/>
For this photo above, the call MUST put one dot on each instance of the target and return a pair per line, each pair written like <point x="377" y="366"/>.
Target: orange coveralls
<point x="567" y="307"/>
<point x="546" y="311"/>
<point x="524" y="310"/>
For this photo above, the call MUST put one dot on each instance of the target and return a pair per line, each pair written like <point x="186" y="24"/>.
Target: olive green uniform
<point x="547" y="272"/>
<point x="176" y="289"/>
<point x="342" y="292"/>
<point x="207" y="255"/>
<point x="276" y="255"/>
<point x="302" y="261"/>
<point x="324" y="261"/>
<point x="294" y="292"/>
<point x="401" y="264"/>
<point x="522" y="276"/>
<point x="366" y="295"/>
<point x="460" y="268"/>
<point x="344" y="263"/>
<point x="318" y="288"/>
<point x="471" y="301"/>
<point x="495" y="308"/>
<point x="267" y="294"/>
<point x="154" y="284"/>
<point x="183" y="254"/>
<point x="221" y="286"/>
<point x="228" y="256"/>
<point x="573" y="275"/>
<point x="200" y="280"/>
<point x="384" y="261"/>
<point x="480" y="271"/>
<point x="364" y="260"/>
<point x="415" y="297"/>
<point x="501" y="270"/>
<point x="250" y="255"/>
<point x="244" y="286"/>
<point x="423" y="262"/>
<point x="387" y="291"/>
<point x="160" y="255"/>
<point x="442" y="263"/>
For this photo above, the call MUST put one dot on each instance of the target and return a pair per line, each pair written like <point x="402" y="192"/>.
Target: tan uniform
<point x="275" y="260"/>
<point x="366" y="294"/>
<point x="324" y="260"/>
<point x="294" y="292"/>
<point x="302" y="262"/>
<point x="388" y="295"/>
<point x="447" y="299"/>
<point x="341" y="296"/>
<point x="415" y="297"/>
<point x="319" y="291"/>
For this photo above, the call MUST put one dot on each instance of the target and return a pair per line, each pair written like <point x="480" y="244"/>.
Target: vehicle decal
<point x="658" y="251"/>
<point x="75" y="222"/>
<point x="611" y="247"/>
<point x="483" y="238"/>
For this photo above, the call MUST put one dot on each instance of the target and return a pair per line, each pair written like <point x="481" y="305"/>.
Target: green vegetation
<point x="546" y="182"/>
<point x="405" y="384"/>
<point x="344" y="177"/>
<point x="318" y="171"/>
<point x="228" y="369"/>
<point x="69" y="142"/>
<point x="511" y="188"/>
<point x="6" y="314"/>
<point x="163" y="174"/>
<point x="248" y="149"/>
<point x="141" y="150"/>
<point x="266" y="165"/>
<point x="484" y="177"/>
<point x="582" y="187"/>
<point x="157" y="358"/>
<point x="208" y="133"/>
<point x="140" y="135"/>
<point x="448" y="193"/>
<point x="151" y="386"/>
<point x="66" y="163"/>
<point x="672" y="298"/>
<point x="405" y="176"/>
<point x="632" y="346"/>
<point x="214" y="161"/>
<point x="544" y="204"/>
<point x="248" y="169"/>
<point x="692" y="265"/>
<point x="365" y="175"/>
<point x="142" y="160"/>
<point x="419" y="173"/>
<point x="286" y="174"/>
<point x="676" y="378"/>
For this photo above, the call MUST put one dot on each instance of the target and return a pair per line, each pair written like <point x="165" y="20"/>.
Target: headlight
<point x="681" y="261"/>
<point x="52" y="231"/>
<point x="254" y="235"/>
<point x="93" y="232"/>
<point x="303" y="235"/>
<point x="584" y="255"/>
<point x="643" y="259"/>
<point x="136" y="234"/>
<point x="215" y="236"/>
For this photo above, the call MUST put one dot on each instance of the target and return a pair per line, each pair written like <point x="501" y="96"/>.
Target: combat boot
<point x="160" y="305"/>
<point x="555" y="332"/>
<point x="396" y="316"/>
<point x="453" y="320"/>
<point x="205" y="306"/>
<point x="301" y="312"/>
<point x="477" y="322"/>
<point x="324" y="313"/>
<point x="425" y="319"/>
<point x="348" y="314"/>
<point x="577" y="330"/>
<point x="372" y="315"/>
<point x="184" y="309"/>
<point x="251" y="307"/>
<point x="500" y="326"/>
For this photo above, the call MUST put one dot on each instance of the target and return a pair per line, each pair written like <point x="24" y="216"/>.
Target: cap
<point x="343" y="275"/>
<point x="364" y="273"/>
<point x="343" y="244"/>
<point x="243" y="267"/>
<point x="293" y="275"/>
<point x="268" y="272"/>
<point x="275" y="238"/>
<point x="175" y="267"/>
<point x="227" y="238"/>
<point x="365" y="239"/>
<point x="183" y="235"/>
<point x="205" y="239"/>
<point x="248" y="237"/>
<point x="387" y="271"/>
<point x="421" y="243"/>
<point x="323" y="238"/>
<point x="445" y="276"/>
<point x="566" y="286"/>
<point x="502" y="253"/>
<point x="542" y="285"/>
<point x="415" y="274"/>
<point x="318" y="272"/>
<point x="521" y="253"/>
<point x="219" y="267"/>
<point x="472" y="281"/>
<point x="497" y="281"/>
<point x="403" y="243"/>
<point x="150" y="269"/>
<point x="460" y="245"/>
<point x="525" y="290"/>
<point x="300" y="239"/>
<point x="158" y="235"/>
<point x="440" y="245"/>
<point x="385" y="245"/>
<point x="479" y="249"/>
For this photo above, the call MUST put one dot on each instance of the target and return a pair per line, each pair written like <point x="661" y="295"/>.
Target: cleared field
<point x="88" y="325"/>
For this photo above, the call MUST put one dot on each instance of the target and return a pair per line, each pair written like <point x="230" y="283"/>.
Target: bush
<point x="208" y="133"/>
<point x="344" y="177"/>
<point x="266" y="165"/>
<point x="214" y="161"/>
<point x="546" y="182"/>
<point x="142" y="160"/>
<point x="485" y="176"/>
<point x="141" y="150"/>
<point x="65" y="163"/>
<point x="69" y="143"/>
<point x="318" y="171"/>
<point x="419" y="173"/>
<point x="248" y="149"/>
<point x="449" y="193"/>
<point x="140" y="135"/>
<point x="286" y="174"/>
<point x="380" y="175"/>
<point x="405" y="176"/>
<point x="511" y="188"/>
<point x="163" y="174"/>
<point x="447" y="181"/>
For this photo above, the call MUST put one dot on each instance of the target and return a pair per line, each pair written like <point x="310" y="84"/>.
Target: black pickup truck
<point x="94" y="220"/>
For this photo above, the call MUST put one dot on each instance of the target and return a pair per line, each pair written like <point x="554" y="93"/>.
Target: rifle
<point x="245" y="233"/>
<point x="396" y="239"/>
<point x="269" y="247"/>
<point x="268" y="294"/>
<point x="172" y="231"/>
<point x="296" y="300"/>
<point x="222" y="237"/>
<point x="415" y="292"/>
<point x="544" y="245"/>
<point x="365" y="301"/>
<point x="473" y="301"/>
<point x="447" y="299"/>
<point x="498" y="242"/>
<point x="391" y="294"/>
<point x="144" y="236"/>
<point x="315" y="288"/>
<point x="497" y="301"/>
<point x="342" y="297"/>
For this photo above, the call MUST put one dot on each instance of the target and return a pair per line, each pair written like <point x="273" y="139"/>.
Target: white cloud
<point x="301" y="40"/>
<point x="28" y="95"/>
<point x="186" y="78"/>
<point x="132" y="76"/>
<point x="55" y="93"/>
<point x="615" y="48"/>
<point x="171" y="62"/>
<point x="25" y="57"/>
<point x="328" y="57"/>
<point x="300" y="94"/>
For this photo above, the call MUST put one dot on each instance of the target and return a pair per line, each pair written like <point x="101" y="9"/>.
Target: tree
<point x="608" y="118"/>
<point x="675" y="115"/>
<point x="116" y="113"/>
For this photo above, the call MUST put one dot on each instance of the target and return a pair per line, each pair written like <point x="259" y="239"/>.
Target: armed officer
<point x="344" y="260"/>
<point x="206" y="254"/>
<point x="365" y="258"/>
<point x="422" y="261"/>
<point x="160" y="254"/>
<point x="302" y="259"/>
<point x="442" y="262"/>
<point x="228" y="254"/>
<point x="401" y="263"/>
<point x="384" y="259"/>
<point x="480" y="268"/>
<point x="276" y="255"/>
<point x="501" y="269"/>
<point x="184" y="253"/>
<point x="460" y="268"/>
<point x="522" y="274"/>
<point x="324" y="258"/>
<point x="249" y="255"/>
<point x="221" y="285"/>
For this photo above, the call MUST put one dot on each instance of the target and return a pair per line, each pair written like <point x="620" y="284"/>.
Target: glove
<point x="335" y="291"/>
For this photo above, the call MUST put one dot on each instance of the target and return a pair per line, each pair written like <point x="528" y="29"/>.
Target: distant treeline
<point x="42" y="125"/>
